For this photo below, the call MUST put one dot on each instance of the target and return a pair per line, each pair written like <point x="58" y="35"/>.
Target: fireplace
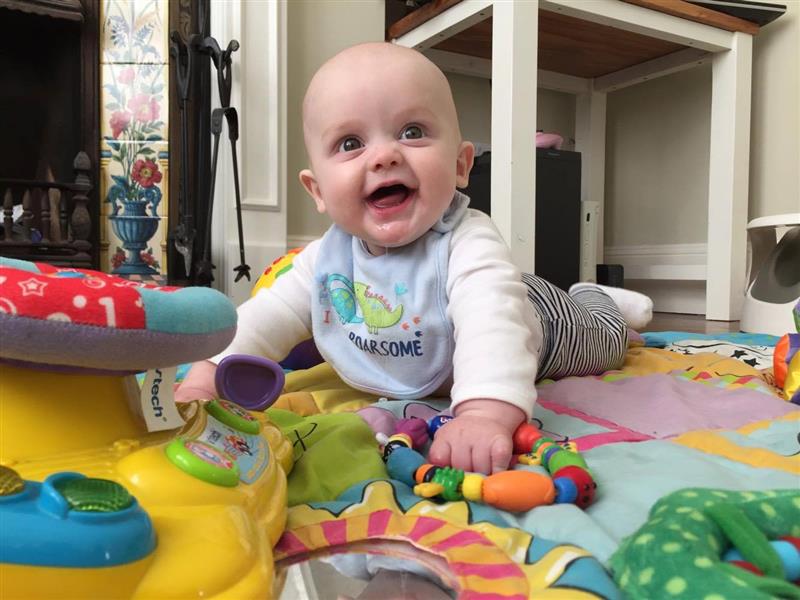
<point x="48" y="115"/>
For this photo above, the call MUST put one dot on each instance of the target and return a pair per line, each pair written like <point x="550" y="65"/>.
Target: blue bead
<point x="790" y="558"/>
<point x="732" y="554"/>
<point x="435" y="422"/>
<point x="548" y="453"/>
<point x="566" y="490"/>
<point x="403" y="463"/>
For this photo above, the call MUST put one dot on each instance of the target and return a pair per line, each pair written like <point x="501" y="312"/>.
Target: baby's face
<point x="382" y="136"/>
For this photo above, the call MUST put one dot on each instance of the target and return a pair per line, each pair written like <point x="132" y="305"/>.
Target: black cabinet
<point x="558" y="211"/>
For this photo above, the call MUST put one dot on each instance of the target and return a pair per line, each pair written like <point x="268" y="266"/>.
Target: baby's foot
<point x="636" y="308"/>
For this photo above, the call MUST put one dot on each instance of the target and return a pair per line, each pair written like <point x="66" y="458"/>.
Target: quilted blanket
<point x="666" y="421"/>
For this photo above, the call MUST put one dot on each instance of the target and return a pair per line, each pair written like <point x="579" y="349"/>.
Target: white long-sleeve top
<point x="497" y="335"/>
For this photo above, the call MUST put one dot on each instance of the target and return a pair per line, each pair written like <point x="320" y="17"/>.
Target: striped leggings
<point x="584" y="332"/>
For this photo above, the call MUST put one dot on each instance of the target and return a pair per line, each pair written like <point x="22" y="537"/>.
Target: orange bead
<point x="524" y="437"/>
<point x="419" y="475"/>
<point x="518" y="491"/>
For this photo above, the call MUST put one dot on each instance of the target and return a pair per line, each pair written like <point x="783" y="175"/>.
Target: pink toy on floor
<point x="548" y="140"/>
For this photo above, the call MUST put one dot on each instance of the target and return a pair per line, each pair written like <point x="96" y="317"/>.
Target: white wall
<point x="775" y="131"/>
<point x="317" y="29"/>
<point x="473" y="98"/>
<point x="657" y="145"/>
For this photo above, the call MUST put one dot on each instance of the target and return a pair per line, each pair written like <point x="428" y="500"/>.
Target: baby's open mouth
<point x="388" y="196"/>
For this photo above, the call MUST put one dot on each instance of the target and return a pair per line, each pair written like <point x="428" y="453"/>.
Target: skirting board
<point x="673" y="275"/>
<point x="684" y="297"/>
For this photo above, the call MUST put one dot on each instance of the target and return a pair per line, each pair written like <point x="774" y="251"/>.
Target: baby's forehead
<point x="394" y="70"/>
<point x="355" y="78"/>
<point x="379" y="56"/>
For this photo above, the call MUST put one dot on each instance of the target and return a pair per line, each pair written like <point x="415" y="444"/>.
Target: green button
<point x="203" y="461"/>
<point x="87" y="494"/>
<point x="233" y="416"/>
<point x="10" y="482"/>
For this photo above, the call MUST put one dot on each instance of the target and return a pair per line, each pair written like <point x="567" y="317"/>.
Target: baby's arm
<point x="497" y="341"/>
<point x="269" y="324"/>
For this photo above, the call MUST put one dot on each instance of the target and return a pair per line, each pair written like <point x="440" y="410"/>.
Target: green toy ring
<point x="233" y="416"/>
<point x="203" y="461"/>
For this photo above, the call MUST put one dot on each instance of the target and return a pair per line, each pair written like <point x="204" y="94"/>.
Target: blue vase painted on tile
<point x="135" y="228"/>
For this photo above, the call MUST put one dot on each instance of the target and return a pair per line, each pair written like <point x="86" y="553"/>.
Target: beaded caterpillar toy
<point x="787" y="549"/>
<point x="514" y="491"/>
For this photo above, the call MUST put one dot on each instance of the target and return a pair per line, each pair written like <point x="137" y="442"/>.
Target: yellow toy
<point x="108" y="489"/>
<point x="278" y="267"/>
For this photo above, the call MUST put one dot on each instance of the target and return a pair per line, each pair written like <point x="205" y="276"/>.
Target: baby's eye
<point x="412" y="132"/>
<point x="350" y="144"/>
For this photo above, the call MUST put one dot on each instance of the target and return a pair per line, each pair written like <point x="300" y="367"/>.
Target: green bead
<point x="538" y="443"/>
<point x="450" y="479"/>
<point x="565" y="458"/>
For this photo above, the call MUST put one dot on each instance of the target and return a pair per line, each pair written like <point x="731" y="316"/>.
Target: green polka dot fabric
<point x="676" y="554"/>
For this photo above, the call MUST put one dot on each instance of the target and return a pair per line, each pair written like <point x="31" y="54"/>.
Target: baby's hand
<point x="478" y="439"/>
<point x="199" y="383"/>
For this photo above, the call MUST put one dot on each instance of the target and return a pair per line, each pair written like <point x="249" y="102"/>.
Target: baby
<point x="410" y="293"/>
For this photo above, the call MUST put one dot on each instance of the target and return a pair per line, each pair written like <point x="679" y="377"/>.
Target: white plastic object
<point x="765" y="314"/>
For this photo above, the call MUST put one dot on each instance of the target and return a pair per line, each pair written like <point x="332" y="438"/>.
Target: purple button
<point x="252" y="382"/>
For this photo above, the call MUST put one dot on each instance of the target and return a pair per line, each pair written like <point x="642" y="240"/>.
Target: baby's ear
<point x="312" y="187"/>
<point x="466" y="156"/>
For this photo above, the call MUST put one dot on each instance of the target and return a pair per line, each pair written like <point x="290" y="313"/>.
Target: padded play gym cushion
<point x="77" y="319"/>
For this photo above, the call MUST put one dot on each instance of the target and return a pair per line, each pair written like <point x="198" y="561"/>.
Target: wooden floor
<point x="691" y="323"/>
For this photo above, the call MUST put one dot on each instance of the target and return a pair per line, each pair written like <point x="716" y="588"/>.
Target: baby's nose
<point x="385" y="155"/>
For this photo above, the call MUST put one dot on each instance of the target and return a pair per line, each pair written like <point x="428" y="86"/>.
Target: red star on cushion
<point x="32" y="287"/>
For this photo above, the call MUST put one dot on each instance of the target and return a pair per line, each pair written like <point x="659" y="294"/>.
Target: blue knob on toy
<point x="403" y="463"/>
<point x="566" y="490"/>
<point x="435" y="422"/>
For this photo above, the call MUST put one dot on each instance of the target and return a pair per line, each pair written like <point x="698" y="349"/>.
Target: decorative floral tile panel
<point x="134" y="129"/>
<point x="134" y="180"/>
<point x="135" y="31"/>
<point x="135" y="102"/>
